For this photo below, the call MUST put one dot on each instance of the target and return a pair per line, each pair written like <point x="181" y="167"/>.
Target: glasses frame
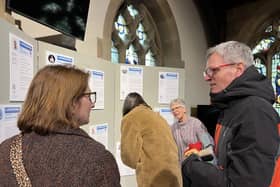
<point x="91" y="96"/>
<point x="210" y="72"/>
<point x="176" y="108"/>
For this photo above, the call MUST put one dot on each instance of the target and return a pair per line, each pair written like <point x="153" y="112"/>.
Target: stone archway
<point x="165" y="23"/>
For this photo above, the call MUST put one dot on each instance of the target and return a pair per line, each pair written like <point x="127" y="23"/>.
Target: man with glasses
<point x="246" y="137"/>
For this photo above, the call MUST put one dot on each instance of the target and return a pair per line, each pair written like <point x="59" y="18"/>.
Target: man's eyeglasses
<point x="91" y="96"/>
<point x="211" y="71"/>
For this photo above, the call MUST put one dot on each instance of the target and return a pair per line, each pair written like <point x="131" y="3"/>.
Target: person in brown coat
<point x="147" y="145"/>
<point x="51" y="149"/>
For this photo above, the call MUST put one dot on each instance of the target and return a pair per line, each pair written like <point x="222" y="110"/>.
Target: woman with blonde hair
<point x="51" y="149"/>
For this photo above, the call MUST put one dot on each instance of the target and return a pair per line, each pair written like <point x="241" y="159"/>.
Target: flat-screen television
<point x="66" y="16"/>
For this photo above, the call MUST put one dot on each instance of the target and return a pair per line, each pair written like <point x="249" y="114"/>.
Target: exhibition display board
<point x="109" y="81"/>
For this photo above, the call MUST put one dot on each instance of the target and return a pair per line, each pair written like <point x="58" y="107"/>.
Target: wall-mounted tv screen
<point x="66" y="16"/>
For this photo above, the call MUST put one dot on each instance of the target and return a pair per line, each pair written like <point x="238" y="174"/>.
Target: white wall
<point x="193" y="46"/>
<point x="191" y="33"/>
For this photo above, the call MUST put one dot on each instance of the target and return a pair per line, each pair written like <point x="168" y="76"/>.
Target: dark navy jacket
<point x="246" y="138"/>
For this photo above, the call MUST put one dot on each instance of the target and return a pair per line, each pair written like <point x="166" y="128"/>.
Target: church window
<point x="134" y="31"/>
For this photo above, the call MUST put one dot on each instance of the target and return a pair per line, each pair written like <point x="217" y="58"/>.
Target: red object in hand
<point x="196" y="145"/>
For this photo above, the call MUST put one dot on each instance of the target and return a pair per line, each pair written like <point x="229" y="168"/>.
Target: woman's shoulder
<point x="5" y="148"/>
<point x="6" y="143"/>
<point x="138" y="112"/>
<point x="84" y="147"/>
<point x="194" y="120"/>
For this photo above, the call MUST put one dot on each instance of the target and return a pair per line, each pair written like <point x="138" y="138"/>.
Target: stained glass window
<point x="142" y="36"/>
<point x="131" y="56"/>
<point x="130" y="32"/>
<point x="267" y="49"/>
<point x="264" y="45"/>
<point x="122" y="28"/>
<point x="268" y="29"/>
<point x="260" y="66"/>
<point x="132" y="11"/>
<point x="275" y="78"/>
<point x="114" y="54"/>
<point x="149" y="59"/>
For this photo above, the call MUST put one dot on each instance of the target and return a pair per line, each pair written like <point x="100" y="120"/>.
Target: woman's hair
<point x="131" y="101"/>
<point x="49" y="102"/>
<point x="233" y="52"/>
<point x="178" y="101"/>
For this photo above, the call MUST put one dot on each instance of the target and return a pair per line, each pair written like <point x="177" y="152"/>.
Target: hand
<point x="191" y="151"/>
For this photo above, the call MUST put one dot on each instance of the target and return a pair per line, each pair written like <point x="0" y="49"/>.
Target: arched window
<point x="267" y="55"/>
<point x="148" y="26"/>
<point x="134" y="31"/>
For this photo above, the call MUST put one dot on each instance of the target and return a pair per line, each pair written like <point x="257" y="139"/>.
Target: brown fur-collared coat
<point x="147" y="145"/>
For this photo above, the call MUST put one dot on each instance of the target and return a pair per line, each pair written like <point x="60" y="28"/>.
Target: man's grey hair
<point x="233" y="52"/>
<point x="178" y="101"/>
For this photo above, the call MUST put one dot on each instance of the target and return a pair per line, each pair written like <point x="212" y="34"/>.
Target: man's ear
<point x="240" y="69"/>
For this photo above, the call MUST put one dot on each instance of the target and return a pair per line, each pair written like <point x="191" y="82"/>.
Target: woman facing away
<point x="147" y="145"/>
<point x="51" y="149"/>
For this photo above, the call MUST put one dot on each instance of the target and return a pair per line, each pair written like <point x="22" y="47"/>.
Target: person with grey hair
<point x="187" y="130"/>
<point x="246" y="137"/>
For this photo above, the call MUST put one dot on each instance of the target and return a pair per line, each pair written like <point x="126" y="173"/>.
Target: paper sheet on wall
<point x="99" y="133"/>
<point x="131" y="80"/>
<point x="168" y="86"/>
<point x="96" y="84"/>
<point x="55" y="58"/>
<point x="166" y="113"/>
<point x="124" y="170"/>
<point x="21" y="67"/>
<point x="8" y="121"/>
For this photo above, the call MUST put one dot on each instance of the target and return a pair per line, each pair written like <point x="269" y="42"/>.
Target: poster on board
<point x="55" y="58"/>
<point x="168" y="87"/>
<point x="21" y="67"/>
<point x="131" y="80"/>
<point x="8" y="121"/>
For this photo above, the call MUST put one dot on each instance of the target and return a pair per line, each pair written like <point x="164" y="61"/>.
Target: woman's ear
<point x="74" y="107"/>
